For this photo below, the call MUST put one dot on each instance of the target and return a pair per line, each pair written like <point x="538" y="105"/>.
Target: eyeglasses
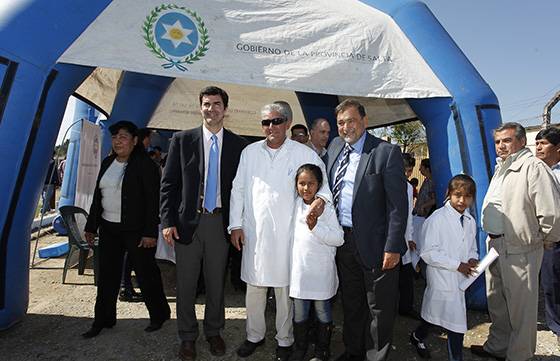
<point x="275" y="121"/>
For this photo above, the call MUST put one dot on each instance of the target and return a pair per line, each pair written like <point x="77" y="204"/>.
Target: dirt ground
<point x="58" y="313"/>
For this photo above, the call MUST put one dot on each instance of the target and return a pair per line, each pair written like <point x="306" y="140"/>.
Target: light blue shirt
<point x="345" y="202"/>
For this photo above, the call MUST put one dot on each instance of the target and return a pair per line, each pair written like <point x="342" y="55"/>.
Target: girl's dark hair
<point x="462" y="181"/>
<point x="313" y="169"/>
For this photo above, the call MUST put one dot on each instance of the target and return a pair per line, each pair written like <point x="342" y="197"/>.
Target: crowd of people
<point x="311" y="219"/>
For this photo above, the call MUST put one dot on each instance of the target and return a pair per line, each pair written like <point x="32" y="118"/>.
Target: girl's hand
<point x="473" y="262"/>
<point x="466" y="269"/>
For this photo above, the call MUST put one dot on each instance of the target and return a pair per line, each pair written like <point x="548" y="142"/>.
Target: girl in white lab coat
<point x="313" y="275"/>
<point x="450" y="252"/>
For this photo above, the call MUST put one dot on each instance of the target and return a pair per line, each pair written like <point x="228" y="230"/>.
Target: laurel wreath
<point x="149" y="37"/>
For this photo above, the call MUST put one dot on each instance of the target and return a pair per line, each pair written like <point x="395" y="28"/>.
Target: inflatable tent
<point x="393" y="54"/>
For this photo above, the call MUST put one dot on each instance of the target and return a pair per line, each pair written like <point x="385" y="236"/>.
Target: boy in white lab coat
<point x="450" y="253"/>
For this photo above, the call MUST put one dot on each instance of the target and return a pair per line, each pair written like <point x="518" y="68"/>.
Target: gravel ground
<point x="58" y="314"/>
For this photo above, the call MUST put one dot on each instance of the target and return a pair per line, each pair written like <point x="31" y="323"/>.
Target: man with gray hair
<point x="262" y="203"/>
<point x="520" y="216"/>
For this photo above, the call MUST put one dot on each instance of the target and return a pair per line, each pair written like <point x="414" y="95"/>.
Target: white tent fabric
<point x="179" y="108"/>
<point x="341" y="47"/>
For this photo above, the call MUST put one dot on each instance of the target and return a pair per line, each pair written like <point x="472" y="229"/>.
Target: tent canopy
<point x="339" y="47"/>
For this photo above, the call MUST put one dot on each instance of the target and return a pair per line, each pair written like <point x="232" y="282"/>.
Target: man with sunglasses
<point x="262" y="202"/>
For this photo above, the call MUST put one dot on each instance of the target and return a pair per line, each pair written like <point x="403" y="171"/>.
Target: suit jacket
<point x="379" y="202"/>
<point x="139" y="196"/>
<point x="182" y="184"/>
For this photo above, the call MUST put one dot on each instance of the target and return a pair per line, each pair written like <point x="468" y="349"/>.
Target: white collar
<point x="208" y="134"/>
<point x="456" y="214"/>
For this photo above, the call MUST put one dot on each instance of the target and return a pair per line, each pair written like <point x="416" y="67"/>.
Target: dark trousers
<point x="454" y="340"/>
<point x="113" y="241"/>
<point x="406" y="288"/>
<point x="550" y="283"/>
<point x="369" y="302"/>
<point x="210" y="248"/>
<point x="126" y="281"/>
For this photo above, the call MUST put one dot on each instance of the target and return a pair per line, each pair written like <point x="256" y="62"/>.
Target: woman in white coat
<point x="450" y="253"/>
<point x="313" y="276"/>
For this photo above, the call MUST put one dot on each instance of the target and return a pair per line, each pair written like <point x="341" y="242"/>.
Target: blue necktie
<point x="211" y="192"/>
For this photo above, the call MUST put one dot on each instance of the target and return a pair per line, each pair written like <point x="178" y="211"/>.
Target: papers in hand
<point x="482" y="266"/>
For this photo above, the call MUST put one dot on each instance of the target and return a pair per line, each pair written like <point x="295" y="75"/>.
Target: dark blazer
<point x="139" y="196"/>
<point x="380" y="205"/>
<point x="182" y="184"/>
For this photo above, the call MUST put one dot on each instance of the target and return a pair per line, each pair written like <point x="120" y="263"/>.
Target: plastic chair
<point x="77" y="241"/>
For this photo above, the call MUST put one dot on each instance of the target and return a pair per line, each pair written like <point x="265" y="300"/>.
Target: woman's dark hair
<point x="462" y="181"/>
<point x="426" y="164"/>
<point x="313" y="169"/>
<point x="130" y="127"/>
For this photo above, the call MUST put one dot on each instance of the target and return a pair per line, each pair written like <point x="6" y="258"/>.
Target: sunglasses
<point x="275" y="121"/>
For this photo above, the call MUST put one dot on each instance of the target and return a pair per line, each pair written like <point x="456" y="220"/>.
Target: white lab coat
<point x="313" y="272"/>
<point x="445" y="245"/>
<point x="409" y="256"/>
<point x="262" y="204"/>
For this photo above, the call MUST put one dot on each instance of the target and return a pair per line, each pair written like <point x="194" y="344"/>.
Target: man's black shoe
<point x="94" y="331"/>
<point x="247" y="348"/>
<point x="155" y="325"/>
<point x="283" y="353"/>
<point x="421" y="348"/>
<point x="480" y="351"/>
<point x="130" y="295"/>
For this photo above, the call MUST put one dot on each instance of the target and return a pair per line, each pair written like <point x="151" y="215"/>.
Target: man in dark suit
<point x="195" y="194"/>
<point x="366" y="176"/>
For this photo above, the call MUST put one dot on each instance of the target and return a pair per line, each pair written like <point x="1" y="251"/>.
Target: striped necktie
<point x="342" y="166"/>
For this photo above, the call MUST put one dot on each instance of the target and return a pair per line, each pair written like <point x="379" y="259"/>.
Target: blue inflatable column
<point x="136" y="101"/>
<point x="30" y="146"/>
<point x="458" y="128"/>
<point x="33" y="95"/>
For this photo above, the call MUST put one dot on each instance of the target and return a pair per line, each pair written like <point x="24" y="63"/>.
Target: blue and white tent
<point x="389" y="52"/>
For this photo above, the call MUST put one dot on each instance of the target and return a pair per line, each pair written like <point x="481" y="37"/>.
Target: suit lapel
<point x="367" y="152"/>
<point x="198" y="143"/>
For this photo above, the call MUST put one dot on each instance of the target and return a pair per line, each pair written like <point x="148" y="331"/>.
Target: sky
<point x="514" y="45"/>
